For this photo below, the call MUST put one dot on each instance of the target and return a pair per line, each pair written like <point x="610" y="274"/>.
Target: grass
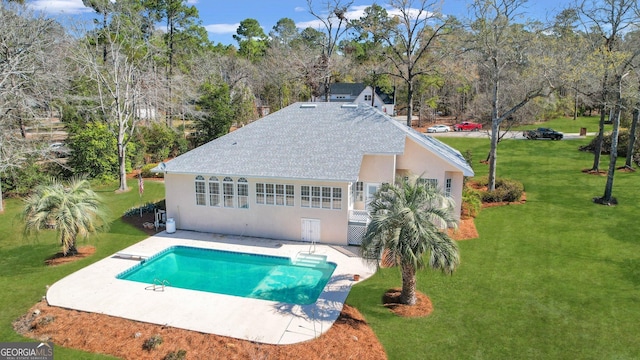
<point x="555" y="278"/>
<point x="24" y="275"/>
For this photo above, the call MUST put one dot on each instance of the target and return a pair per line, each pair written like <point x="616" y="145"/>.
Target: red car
<point x="467" y="126"/>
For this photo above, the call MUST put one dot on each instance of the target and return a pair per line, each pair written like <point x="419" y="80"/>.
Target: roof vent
<point x="308" y="106"/>
<point x="350" y="106"/>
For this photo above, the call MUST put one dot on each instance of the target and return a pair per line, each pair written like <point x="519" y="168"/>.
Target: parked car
<point x="467" y="126"/>
<point x="59" y="150"/>
<point x="543" y="133"/>
<point x="438" y="128"/>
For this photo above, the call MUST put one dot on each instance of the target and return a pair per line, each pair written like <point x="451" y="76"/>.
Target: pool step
<point x="310" y="260"/>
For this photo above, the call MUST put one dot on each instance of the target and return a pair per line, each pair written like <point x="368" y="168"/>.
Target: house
<point x="304" y="172"/>
<point x="359" y="93"/>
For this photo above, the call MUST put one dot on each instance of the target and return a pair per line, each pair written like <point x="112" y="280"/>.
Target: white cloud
<point x="315" y="24"/>
<point x="222" y="28"/>
<point x="192" y="2"/>
<point x="59" y="6"/>
<point x="300" y="9"/>
<point x="355" y="12"/>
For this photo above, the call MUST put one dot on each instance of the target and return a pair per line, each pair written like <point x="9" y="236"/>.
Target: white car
<point x="438" y="128"/>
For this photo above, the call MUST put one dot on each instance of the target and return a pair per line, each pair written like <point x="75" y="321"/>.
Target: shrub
<point x="471" y="202"/>
<point x="146" y="208"/>
<point x="158" y="142"/>
<point x="152" y="342"/>
<point x="146" y="171"/>
<point x="18" y="181"/>
<point x="623" y="144"/>
<point x="506" y="190"/>
<point x="176" y="355"/>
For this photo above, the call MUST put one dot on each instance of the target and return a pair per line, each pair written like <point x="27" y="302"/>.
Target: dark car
<point x="543" y="133"/>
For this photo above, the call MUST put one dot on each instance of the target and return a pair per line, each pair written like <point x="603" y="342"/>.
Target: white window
<point x="214" y="191"/>
<point x="200" y="191"/>
<point x="324" y="197"/>
<point x="305" y="196"/>
<point x="275" y="194"/>
<point x="358" y="191"/>
<point x="367" y="98"/>
<point x="316" y="196"/>
<point x="269" y="190"/>
<point x="336" y="198"/>
<point x="290" y="195"/>
<point x="430" y="183"/>
<point x="260" y="195"/>
<point x="243" y="193"/>
<point x="447" y="187"/>
<point x="227" y="191"/>
<point x="280" y="194"/>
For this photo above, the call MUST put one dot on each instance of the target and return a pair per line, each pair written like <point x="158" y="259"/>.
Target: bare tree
<point x="412" y="36"/>
<point x="27" y="49"/>
<point x="607" y="20"/>
<point x="335" y="24"/>
<point x="507" y="53"/>
<point x="119" y="82"/>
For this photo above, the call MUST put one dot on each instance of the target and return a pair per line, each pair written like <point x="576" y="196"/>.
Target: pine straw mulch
<point x="59" y="258"/>
<point x="349" y="338"/>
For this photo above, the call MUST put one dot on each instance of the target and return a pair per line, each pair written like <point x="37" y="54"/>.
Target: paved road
<point x="517" y="135"/>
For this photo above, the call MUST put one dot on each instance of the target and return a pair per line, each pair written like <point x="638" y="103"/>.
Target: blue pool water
<point x="231" y="273"/>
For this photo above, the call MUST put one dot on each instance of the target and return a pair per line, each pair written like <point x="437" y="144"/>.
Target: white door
<point x="311" y="230"/>
<point x="371" y="190"/>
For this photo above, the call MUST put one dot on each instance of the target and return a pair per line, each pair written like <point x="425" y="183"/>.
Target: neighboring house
<point x="304" y="172"/>
<point x="360" y="94"/>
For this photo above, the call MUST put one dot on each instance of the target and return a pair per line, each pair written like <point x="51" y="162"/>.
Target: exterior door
<point x="311" y="230"/>
<point x="371" y="190"/>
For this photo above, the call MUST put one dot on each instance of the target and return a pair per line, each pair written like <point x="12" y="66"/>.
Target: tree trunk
<point x="613" y="156"/>
<point x="575" y="104"/>
<point x="632" y="139"/>
<point x="603" y="109"/>
<point x="632" y="136"/>
<point x="495" y="134"/>
<point x="408" y="294"/>
<point x="122" y="166"/>
<point x="608" y="189"/>
<point x="1" y="199"/>
<point x="409" y="103"/>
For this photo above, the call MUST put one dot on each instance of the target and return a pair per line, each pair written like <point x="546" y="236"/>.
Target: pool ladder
<point x="158" y="285"/>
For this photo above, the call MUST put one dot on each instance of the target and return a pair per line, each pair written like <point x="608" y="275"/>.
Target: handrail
<point x="158" y="284"/>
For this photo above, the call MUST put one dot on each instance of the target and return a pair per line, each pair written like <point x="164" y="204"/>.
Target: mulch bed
<point x="59" y="258"/>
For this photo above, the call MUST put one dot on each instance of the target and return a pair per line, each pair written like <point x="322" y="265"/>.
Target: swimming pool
<point x="240" y="274"/>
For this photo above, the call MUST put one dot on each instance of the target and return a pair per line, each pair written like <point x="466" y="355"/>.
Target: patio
<point x="95" y="289"/>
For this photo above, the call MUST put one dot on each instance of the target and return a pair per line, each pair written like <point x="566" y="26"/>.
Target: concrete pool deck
<point x="96" y="289"/>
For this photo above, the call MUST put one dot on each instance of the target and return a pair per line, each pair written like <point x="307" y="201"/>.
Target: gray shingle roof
<point x="313" y="141"/>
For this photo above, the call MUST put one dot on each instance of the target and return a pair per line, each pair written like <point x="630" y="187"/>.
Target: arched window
<point x="214" y="191"/>
<point x="243" y="193"/>
<point x="227" y="191"/>
<point x="200" y="191"/>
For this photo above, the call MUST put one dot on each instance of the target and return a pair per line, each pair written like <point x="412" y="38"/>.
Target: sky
<point x="222" y="17"/>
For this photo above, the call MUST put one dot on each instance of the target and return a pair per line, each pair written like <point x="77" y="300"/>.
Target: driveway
<point x="517" y="135"/>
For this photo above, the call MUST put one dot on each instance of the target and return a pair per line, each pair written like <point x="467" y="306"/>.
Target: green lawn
<point x="23" y="274"/>
<point x="555" y="278"/>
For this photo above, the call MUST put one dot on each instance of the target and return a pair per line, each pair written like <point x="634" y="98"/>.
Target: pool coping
<point x="96" y="289"/>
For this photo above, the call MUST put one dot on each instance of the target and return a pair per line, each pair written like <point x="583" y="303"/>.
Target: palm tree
<point x="406" y="222"/>
<point x="71" y="208"/>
